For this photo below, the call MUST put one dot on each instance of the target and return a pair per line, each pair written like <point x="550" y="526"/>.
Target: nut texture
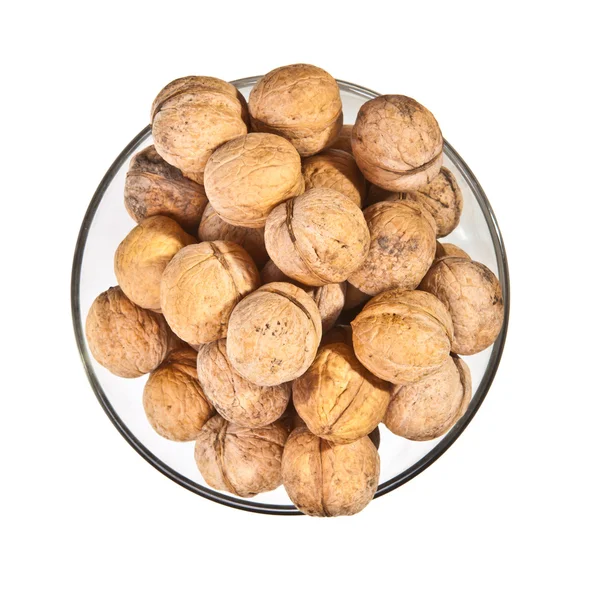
<point x="473" y="296"/>
<point x="127" y="340"/>
<point x="248" y="176"/>
<point x="174" y="402"/>
<point x="317" y="238"/>
<point x="274" y="334"/>
<point x="340" y="334"/>
<point x="397" y="143"/>
<point x="213" y="228"/>
<point x="344" y="139"/>
<point x="234" y="398"/>
<point x="240" y="460"/>
<point x="144" y="254"/>
<point x="442" y="250"/>
<point x="198" y="313"/>
<point x="337" y="398"/>
<point x="427" y="409"/>
<point x="154" y="187"/>
<point x="299" y="102"/>
<point x="402" y="247"/>
<point x="402" y="336"/>
<point x="329" y="480"/>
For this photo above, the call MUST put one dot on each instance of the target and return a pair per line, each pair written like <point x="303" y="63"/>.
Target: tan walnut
<point x="324" y="479"/>
<point x="127" y="340"/>
<point x="240" y="460"/>
<point x="143" y="255"/>
<point x="402" y="336"/>
<point x="250" y="175"/>
<point x="338" y="398"/>
<point x="473" y="296"/>
<point x="274" y="334"/>
<point x="200" y="287"/>
<point x="174" y="401"/>
<point x="340" y="334"/>
<point x="447" y="249"/>
<point x="234" y="398"/>
<point x="299" y="102"/>
<point x="344" y="139"/>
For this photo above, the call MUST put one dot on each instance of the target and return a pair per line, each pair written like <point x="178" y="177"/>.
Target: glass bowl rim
<point x="276" y="509"/>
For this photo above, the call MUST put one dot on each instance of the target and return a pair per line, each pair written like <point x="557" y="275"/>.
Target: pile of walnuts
<point x="262" y="229"/>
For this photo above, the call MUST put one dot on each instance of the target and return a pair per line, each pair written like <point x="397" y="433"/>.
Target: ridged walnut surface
<point x="443" y="250"/>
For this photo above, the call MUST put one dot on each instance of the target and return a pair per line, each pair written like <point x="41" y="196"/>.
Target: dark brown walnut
<point x="301" y="103"/>
<point x="144" y="254"/>
<point x="397" y="143"/>
<point x="317" y="238"/>
<point x="127" y="340"/>
<point x="443" y="250"/>
<point x="473" y="296"/>
<point x="338" y="398"/>
<point x="274" y="334"/>
<point x="240" y="460"/>
<point x="430" y="407"/>
<point x="234" y="398"/>
<point x="402" y="336"/>
<point x="354" y="297"/>
<point x="402" y="247"/>
<point x="213" y="228"/>
<point x="340" y="334"/>
<point x="248" y="176"/>
<point x="324" y="479"/>
<point x="174" y="401"/>
<point x="154" y="187"/>
<point x="337" y="170"/>
<point x="200" y="287"/>
<point x="375" y="437"/>
<point x="191" y="117"/>
<point x="344" y="139"/>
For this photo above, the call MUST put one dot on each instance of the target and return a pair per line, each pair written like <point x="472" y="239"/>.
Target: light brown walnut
<point x="344" y="139"/>
<point x="446" y="249"/>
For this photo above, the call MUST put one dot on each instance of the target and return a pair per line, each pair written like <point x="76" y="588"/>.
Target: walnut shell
<point x="174" y="401"/>
<point x="337" y="398"/>
<point x="397" y="143"/>
<point x="236" y="399"/>
<point x="196" y="311"/>
<point x="300" y="103"/>
<point x="336" y="170"/>
<point x="274" y="334"/>
<point x="191" y="117"/>
<point x="344" y="139"/>
<point x="317" y="238"/>
<point x="154" y="187"/>
<point x="213" y="228"/>
<point x="340" y="334"/>
<point x="473" y="296"/>
<point x="354" y="297"/>
<point x="377" y="194"/>
<point x="442" y="250"/>
<point x="240" y="460"/>
<point x="144" y="254"/>
<point x="324" y="479"/>
<point x="402" y="247"/>
<point x="127" y="340"/>
<point x="248" y="176"/>
<point x="430" y="407"/>
<point x="402" y="336"/>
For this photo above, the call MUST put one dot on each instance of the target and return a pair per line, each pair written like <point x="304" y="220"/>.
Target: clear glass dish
<point x="106" y="223"/>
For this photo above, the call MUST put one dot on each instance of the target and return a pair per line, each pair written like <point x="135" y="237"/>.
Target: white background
<point x="511" y="511"/>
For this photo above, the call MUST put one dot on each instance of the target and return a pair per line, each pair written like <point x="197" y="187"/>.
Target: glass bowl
<point x="106" y="223"/>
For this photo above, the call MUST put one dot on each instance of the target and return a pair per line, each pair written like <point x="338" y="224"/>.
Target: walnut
<point x="324" y="479"/>
<point x="127" y="340"/>
<point x="430" y="407"/>
<point x="213" y="228"/>
<point x="473" y="296"/>
<point x="402" y="247"/>
<point x="397" y="143"/>
<point x="248" y="176"/>
<point x="144" y="254"/>
<point x="274" y="334"/>
<point x="337" y="398"/>
<point x="317" y="238"/>
<point x="337" y="170"/>
<point x="340" y="334"/>
<point x="154" y="187"/>
<point x="198" y="313"/>
<point x="240" y="460"/>
<point x="299" y="102"/>
<point x="236" y="399"/>
<point x="402" y="336"/>
<point x="377" y="194"/>
<point x="354" y="297"/>
<point x="191" y="117"/>
<point x="174" y="402"/>
<point x="442" y="250"/>
<point x="344" y="139"/>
